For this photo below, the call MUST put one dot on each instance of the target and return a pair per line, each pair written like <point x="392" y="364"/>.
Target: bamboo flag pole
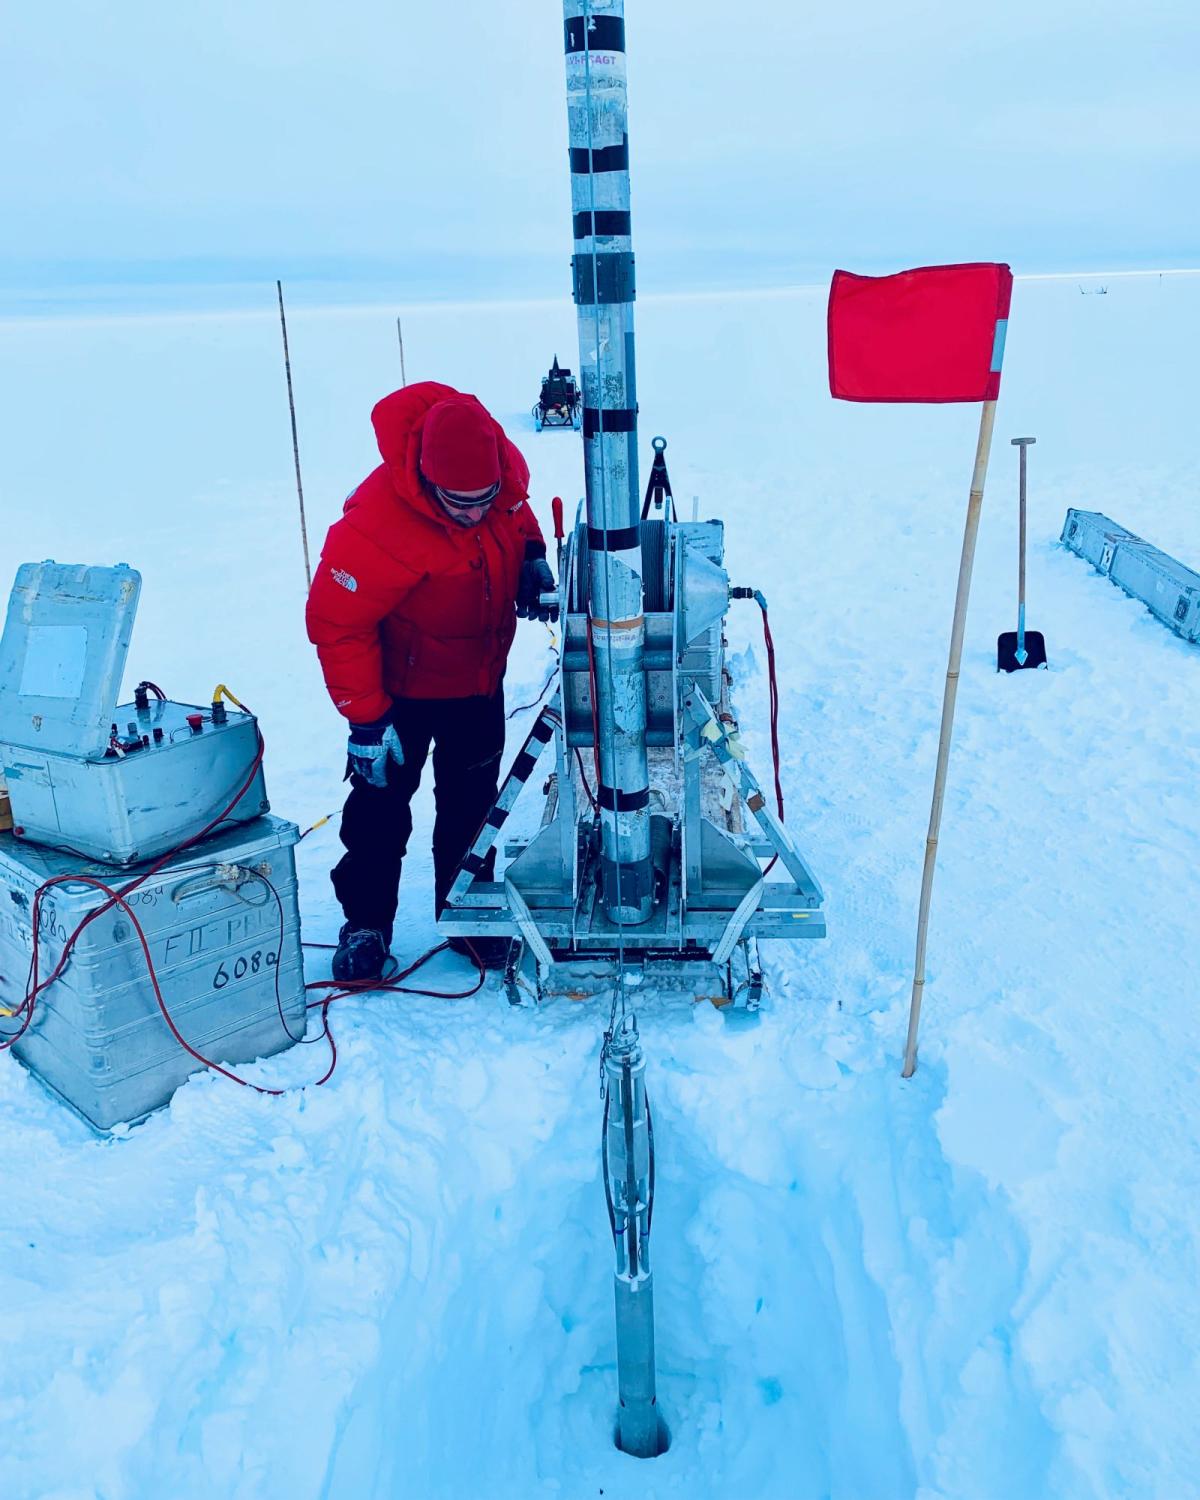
<point x="287" y="365"/>
<point x="400" y="336"/>
<point x="974" y="506"/>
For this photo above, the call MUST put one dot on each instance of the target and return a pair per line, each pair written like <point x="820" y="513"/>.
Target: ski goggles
<point x="467" y="502"/>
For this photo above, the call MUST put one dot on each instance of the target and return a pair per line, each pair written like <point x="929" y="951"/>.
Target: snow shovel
<point x="1021" y="648"/>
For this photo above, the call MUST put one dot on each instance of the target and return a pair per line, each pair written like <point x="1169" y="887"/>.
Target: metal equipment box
<point x="116" y="783"/>
<point x="1169" y="589"/>
<point x="223" y="929"/>
<point x="1094" y="537"/>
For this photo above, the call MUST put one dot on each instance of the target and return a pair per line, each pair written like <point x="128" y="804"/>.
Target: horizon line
<point x="334" y="309"/>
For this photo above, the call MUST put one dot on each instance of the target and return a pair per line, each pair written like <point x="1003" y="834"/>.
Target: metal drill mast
<point x="594" y="37"/>
<point x="677" y="898"/>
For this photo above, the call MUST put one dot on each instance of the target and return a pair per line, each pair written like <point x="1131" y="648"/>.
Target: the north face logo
<point x="347" y="580"/>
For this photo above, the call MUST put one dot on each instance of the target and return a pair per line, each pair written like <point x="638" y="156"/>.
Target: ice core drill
<point x="603" y="285"/>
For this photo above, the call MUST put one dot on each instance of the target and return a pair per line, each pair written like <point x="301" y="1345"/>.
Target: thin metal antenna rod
<point x="287" y="365"/>
<point x="400" y="336"/>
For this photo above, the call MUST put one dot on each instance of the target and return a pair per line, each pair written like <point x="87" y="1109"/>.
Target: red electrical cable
<point x="117" y="898"/>
<point x="591" y="656"/>
<point x="35" y="987"/>
<point x="339" y="991"/>
<point x="392" y="984"/>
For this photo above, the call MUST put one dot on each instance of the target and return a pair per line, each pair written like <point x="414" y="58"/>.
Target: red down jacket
<point x="405" y="601"/>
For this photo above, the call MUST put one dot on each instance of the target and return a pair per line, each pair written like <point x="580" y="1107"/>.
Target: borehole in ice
<point x="664" y="1436"/>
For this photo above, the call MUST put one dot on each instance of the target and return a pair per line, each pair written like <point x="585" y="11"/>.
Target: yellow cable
<point x="320" y="823"/>
<point x="221" y="691"/>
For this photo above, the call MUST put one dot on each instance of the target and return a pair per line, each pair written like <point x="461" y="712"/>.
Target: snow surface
<point x="976" y="1285"/>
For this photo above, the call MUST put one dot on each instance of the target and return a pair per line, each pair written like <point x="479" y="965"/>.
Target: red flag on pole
<point x="932" y="334"/>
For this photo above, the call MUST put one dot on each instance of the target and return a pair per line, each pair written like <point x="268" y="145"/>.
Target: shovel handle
<point x="1023" y="443"/>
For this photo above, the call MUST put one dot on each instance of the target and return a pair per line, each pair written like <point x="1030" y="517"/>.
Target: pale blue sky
<point x="426" y="143"/>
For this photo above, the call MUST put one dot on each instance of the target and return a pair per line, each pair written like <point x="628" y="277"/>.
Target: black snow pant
<point x="468" y="739"/>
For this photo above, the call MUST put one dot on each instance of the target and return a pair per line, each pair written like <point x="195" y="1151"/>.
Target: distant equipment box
<point x="1094" y="537"/>
<point x="1169" y="589"/>
<point x="223" y="929"/>
<point x="116" y="783"/>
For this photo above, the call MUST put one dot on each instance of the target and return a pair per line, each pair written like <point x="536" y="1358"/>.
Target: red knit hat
<point x="458" y="447"/>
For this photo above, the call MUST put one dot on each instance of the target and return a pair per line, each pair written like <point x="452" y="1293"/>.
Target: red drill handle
<point x="556" y="507"/>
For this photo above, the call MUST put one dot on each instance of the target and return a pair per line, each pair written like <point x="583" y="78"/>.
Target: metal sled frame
<point x="714" y="903"/>
<point x="561" y="401"/>
<point x="563" y="415"/>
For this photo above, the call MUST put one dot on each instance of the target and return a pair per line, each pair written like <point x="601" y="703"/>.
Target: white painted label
<point x="55" y="661"/>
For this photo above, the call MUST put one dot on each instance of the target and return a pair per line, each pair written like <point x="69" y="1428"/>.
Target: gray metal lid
<point x="62" y="655"/>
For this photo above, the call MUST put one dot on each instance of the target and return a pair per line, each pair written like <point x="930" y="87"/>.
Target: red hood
<point x="399" y="421"/>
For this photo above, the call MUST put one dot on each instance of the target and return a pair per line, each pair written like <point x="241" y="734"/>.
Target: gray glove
<point x="369" y="749"/>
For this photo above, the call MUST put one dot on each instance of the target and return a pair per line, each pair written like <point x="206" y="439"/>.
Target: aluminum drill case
<point x="1094" y="536"/>
<point x="1169" y="589"/>
<point x="62" y="657"/>
<point x="213" y="925"/>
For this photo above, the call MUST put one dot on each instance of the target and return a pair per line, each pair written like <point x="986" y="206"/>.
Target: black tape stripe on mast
<point x="612" y="737"/>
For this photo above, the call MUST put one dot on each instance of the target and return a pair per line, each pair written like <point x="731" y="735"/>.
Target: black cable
<point x="525" y="707"/>
<point x="583" y="777"/>
<point x="650" y="1148"/>
<point x="608" y="1197"/>
<point x="270" y="885"/>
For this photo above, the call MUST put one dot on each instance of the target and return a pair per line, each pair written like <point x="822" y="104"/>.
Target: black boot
<point x="361" y="955"/>
<point x="491" y="952"/>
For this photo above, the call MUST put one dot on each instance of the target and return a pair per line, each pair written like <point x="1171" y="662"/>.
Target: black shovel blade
<point x="1006" y="651"/>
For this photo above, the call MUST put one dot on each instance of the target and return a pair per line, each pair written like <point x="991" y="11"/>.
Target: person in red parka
<point x="413" y="610"/>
